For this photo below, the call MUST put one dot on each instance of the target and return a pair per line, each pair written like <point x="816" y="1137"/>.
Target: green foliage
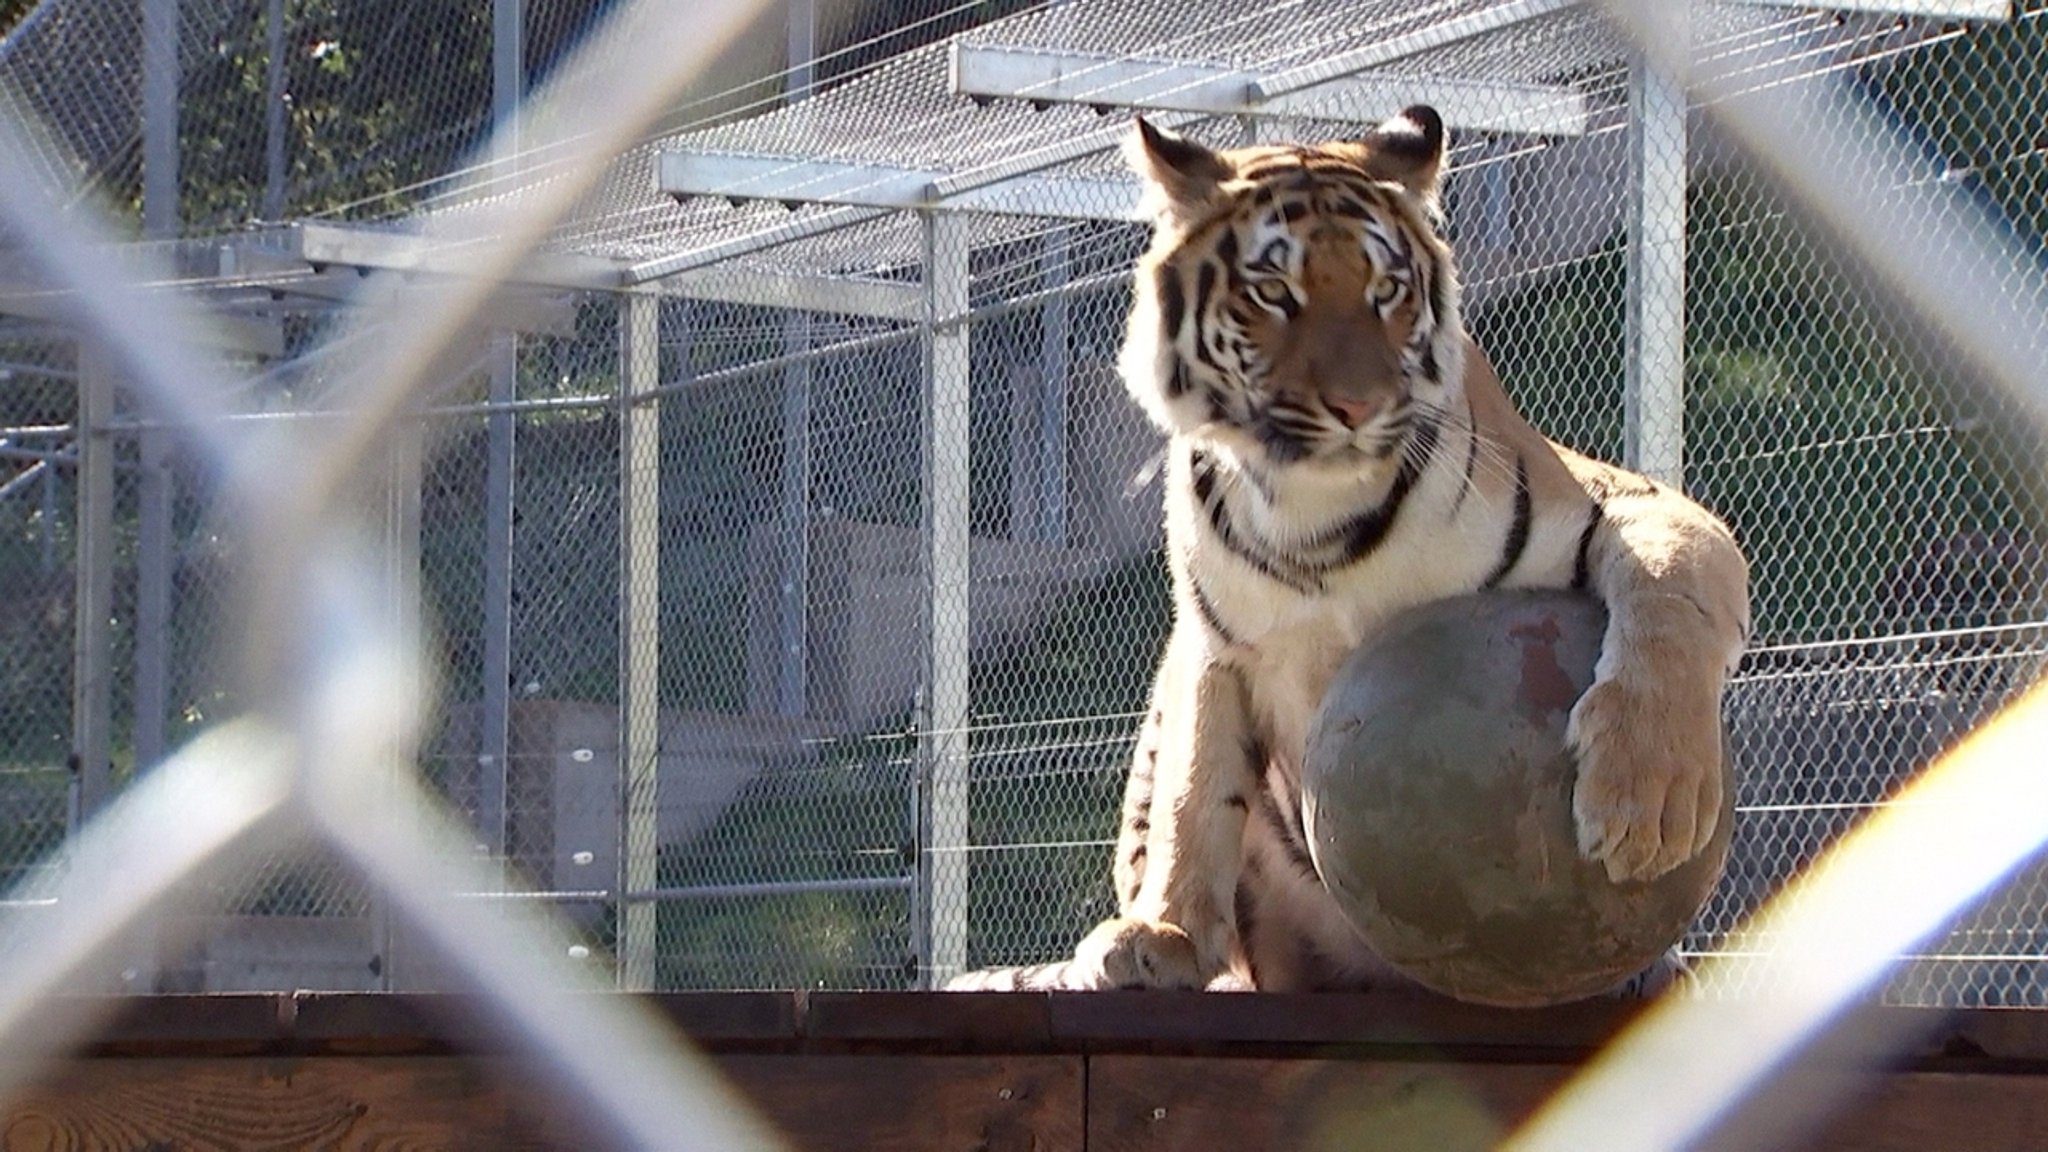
<point x="1831" y="438"/>
<point x="13" y="12"/>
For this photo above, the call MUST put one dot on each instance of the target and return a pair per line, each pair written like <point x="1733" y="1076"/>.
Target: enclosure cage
<point x="788" y="552"/>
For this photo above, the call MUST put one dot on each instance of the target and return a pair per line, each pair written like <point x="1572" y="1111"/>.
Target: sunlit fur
<point x="1339" y="451"/>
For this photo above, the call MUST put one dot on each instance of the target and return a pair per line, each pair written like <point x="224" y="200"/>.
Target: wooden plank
<point x="338" y="1103"/>
<point x="918" y="1103"/>
<point x="1166" y="1021"/>
<point x="1914" y="1112"/>
<point x="344" y="1103"/>
<point x="988" y="1022"/>
<point x="1154" y="1104"/>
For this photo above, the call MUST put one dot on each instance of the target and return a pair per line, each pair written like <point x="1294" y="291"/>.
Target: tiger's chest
<point x="1290" y="578"/>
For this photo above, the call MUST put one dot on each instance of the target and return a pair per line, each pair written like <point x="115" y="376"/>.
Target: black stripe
<point x="1203" y="470"/>
<point x="1242" y="900"/>
<point x="1295" y="825"/>
<point x="1206" y="609"/>
<point x="1518" y="529"/>
<point x="1226" y="248"/>
<point x="1582" y="574"/>
<point x="1296" y="850"/>
<point x="1177" y="382"/>
<point x="1256" y="758"/>
<point x="1205" y="288"/>
<point x="1350" y="208"/>
<point x="1364" y="532"/>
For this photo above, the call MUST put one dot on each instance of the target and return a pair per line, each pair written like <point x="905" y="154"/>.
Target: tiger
<point x="1340" y="450"/>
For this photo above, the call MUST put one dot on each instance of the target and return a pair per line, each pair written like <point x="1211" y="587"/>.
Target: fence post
<point x="639" y="635"/>
<point x="153" y="576"/>
<point x="1653" y="400"/>
<point x="160" y="221"/>
<point x="1038" y="428"/>
<point x="160" y="107"/>
<point x="508" y="81"/>
<point x="792" y="588"/>
<point x="500" y="469"/>
<point x="92" y="632"/>
<point x="943" y="862"/>
<point x="274" y="173"/>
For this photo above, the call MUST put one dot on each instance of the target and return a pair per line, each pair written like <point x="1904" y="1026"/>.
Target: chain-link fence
<point x="788" y="549"/>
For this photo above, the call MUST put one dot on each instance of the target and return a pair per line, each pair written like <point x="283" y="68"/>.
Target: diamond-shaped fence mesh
<point x="789" y="551"/>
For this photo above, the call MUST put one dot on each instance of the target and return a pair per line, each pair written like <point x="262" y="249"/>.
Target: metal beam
<point x="528" y="311"/>
<point x="326" y="246"/>
<point x="1155" y="85"/>
<point x="796" y="291"/>
<point x="323" y="244"/>
<point x="1986" y="10"/>
<point x="223" y="331"/>
<point x="743" y="176"/>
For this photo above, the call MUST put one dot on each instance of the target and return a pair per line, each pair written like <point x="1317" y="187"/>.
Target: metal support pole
<point x="640" y="633"/>
<point x="274" y="176"/>
<point x="160" y="118"/>
<point x="404" y="470"/>
<point x="160" y="220"/>
<point x="944" y="858"/>
<point x="92" y="636"/>
<point x="803" y="49"/>
<point x="1653" y="402"/>
<point x="1054" y="360"/>
<point x="494" y="744"/>
<point x="508" y="80"/>
<point x="153" y="575"/>
<point x="792" y="586"/>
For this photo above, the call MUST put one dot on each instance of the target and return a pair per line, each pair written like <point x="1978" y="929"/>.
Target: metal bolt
<point x="1006" y="1094"/>
<point x="1158" y="1114"/>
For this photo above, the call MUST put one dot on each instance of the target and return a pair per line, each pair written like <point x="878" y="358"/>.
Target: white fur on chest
<point x="1290" y="641"/>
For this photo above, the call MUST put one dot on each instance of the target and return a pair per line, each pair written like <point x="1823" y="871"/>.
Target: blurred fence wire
<point x="696" y="505"/>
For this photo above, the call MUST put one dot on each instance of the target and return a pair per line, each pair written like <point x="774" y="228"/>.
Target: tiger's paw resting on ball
<point x="1649" y="794"/>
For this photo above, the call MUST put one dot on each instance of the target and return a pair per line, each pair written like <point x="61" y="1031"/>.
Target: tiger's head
<point x="1299" y="305"/>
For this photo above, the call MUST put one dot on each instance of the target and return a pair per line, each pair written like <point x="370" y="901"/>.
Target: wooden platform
<point x="881" y="1072"/>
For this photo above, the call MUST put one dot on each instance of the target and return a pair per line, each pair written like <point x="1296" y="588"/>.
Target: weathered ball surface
<point x="1437" y="794"/>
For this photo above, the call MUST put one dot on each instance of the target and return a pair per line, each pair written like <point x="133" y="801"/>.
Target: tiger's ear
<point x="1408" y="149"/>
<point x="1184" y="175"/>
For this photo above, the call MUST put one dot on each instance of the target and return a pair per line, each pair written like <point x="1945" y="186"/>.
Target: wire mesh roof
<point x="76" y="64"/>
<point x="906" y="113"/>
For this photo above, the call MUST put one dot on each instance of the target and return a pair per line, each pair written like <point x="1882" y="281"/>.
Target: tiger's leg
<point x="1193" y="780"/>
<point x="1179" y="846"/>
<point x="1647" y="733"/>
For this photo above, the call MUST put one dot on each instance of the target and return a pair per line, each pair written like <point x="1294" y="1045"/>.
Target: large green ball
<point x="1437" y="794"/>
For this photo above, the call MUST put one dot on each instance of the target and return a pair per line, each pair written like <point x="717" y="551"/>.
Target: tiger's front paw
<point x="1650" y="779"/>
<point x="1123" y="953"/>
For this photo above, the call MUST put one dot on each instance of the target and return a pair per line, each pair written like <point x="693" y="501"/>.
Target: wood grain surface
<point x="908" y="1072"/>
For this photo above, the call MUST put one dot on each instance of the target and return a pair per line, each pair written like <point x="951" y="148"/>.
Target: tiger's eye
<point x="1273" y="292"/>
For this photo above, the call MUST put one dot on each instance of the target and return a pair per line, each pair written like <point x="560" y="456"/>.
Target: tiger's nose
<point x="1354" y="411"/>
